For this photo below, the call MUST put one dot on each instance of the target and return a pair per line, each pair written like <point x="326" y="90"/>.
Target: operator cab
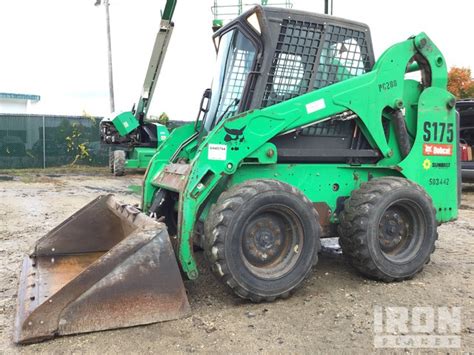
<point x="269" y="55"/>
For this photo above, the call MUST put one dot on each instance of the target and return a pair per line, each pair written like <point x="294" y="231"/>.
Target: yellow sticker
<point x="427" y="164"/>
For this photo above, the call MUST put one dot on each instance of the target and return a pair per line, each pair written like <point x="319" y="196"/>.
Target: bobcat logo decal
<point x="234" y="136"/>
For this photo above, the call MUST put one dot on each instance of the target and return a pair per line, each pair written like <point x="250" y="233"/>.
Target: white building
<point x="17" y="103"/>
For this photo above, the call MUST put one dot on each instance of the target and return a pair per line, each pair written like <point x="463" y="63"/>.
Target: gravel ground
<point x="333" y="311"/>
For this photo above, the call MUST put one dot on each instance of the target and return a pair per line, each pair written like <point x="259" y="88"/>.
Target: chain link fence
<point x="43" y="141"/>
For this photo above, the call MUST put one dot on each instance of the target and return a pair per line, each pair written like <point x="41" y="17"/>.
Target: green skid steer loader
<point x="303" y="136"/>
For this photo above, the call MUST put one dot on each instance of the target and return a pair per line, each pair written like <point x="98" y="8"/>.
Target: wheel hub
<point x="393" y="231"/>
<point x="264" y="240"/>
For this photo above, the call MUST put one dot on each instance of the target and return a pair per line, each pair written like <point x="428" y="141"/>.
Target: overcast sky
<point x="57" y="48"/>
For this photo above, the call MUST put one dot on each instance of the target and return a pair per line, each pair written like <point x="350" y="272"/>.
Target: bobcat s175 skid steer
<point x="302" y="136"/>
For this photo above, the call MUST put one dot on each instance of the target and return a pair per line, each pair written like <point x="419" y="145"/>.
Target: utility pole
<point x="328" y="7"/>
<point x="109" y="54"/>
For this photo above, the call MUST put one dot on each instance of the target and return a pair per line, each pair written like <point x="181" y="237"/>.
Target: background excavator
<point x="132" y="139"/>
<point x="303" y="136"/>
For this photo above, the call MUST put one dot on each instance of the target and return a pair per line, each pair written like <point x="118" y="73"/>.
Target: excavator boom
<point x="156" y="60"/>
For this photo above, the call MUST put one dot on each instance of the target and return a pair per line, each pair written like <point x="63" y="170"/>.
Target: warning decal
<point x="217" y="152"/>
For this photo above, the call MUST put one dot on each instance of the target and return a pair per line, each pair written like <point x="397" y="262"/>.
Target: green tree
<point x="164" y="119"/>
<point x="78" y="138"/>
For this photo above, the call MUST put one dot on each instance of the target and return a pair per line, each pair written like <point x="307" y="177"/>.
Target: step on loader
<point x="302" y="136"/>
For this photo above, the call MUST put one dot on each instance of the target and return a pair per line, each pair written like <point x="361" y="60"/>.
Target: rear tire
<point x="388" y="229"/>
<point x="262" y="238"/>
<point x="119" y="162"/>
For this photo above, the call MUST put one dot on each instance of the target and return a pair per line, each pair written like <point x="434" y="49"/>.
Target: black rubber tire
<point x="111" y="161"/>
<point x="119" y="162"/>
<point x="365" y="223"/>
<point x="240" y="208"/>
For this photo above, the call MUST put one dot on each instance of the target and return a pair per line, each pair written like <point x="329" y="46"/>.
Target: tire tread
<point x="354" y="219"/>
<point x="219" y="220"/>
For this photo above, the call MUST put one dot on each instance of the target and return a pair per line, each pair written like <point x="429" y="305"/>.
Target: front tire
<point x="111" y="161"/>
<point x="262" y="238"/>
<point x="388" y="229"/>
<point x="119" y="162"/>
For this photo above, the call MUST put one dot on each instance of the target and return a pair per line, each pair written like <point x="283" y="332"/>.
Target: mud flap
<point x="107" y="266"/>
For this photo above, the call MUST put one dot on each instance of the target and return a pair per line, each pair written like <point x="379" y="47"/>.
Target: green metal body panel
<point x="125" y="123"/>
<point x="217" y="163"/>
<point x="139" y="158"/>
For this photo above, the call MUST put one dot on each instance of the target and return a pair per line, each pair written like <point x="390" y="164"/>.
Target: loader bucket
<point x="107" y="266"/>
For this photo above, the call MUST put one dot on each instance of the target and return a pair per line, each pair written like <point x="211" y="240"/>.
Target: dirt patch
<point x="333" y="311"/>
